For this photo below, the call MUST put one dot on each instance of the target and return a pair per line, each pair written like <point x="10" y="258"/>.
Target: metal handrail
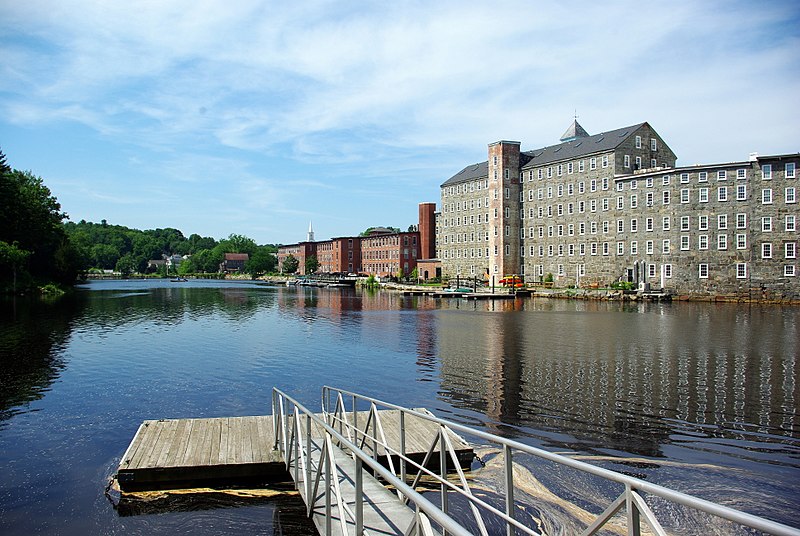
<point x="629" y="499"/>
<point x="290" y="440"/>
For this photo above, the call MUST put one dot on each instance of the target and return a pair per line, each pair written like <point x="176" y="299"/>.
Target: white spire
<point x="310" y="232"/>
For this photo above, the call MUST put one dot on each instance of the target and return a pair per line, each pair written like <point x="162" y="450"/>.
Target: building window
<point x="605" y="161"/>
<point x="665" y="223"/>
<point x="702" y="242"/>
<point x="790" y="196"/>
<point x="684" y="178"/>
<point x="626" y="161"/>
<point x="741" y="270"/>
<point x="605" y="248"/>
<point x="722" y="222"/>
<point x="766" y="250"/>
<point x="621" y="202"/>
<point x="634" y="225"/>
<point x="722" y="193"/>
<point x="593" y="248"/>
<point x="651" y="270"/>
<point x="722" y="242"/>
<point x="667" y="270"/>
<point x="789" y="169"/>
<point x="649" y="199"/>
<point x="702" y="222"/>
<point x="593" y="163"/>
<point x="665" y="246"/>
<point x="665" y="197"/>
<point x="766" y="196"/>
<point x="684" y="223"/>
<point x="789" y="223"/>
<point x="648" y="246"/>
<point x="569" y="167"/>
<point x="766" y="172"/>
<point x="684" y="195"/>
<point x="605" y="183"/>
<point x="620" y="248"/>
<point x="684" y="242"/>
<point x="634" y="201"/>
<point x="741" y="241"/>
<point x="581" y="187"/>
<point x="766" y="224"/>
<point x="653" y="163"/>
<point x="648" y="224"/>
<point x="634" y="184"/>
<point x="638" y="142"/>
<point x="722" y="175"/>
<point x="741" y="192"/>
<point x="638" y="163"/>
<point x="702" y="176"/>
<point x="665" y="180"/>
<point x="653" y="144"/>
<point x="702" y="271"/>
<point x="790" y="250"/>
<point x="741" y="174"/>
<point x="788" y="270"/>
<point x="634" y="248"/>
<point x="581" y="166"/>
<point x="741" y="221"/>
<point x="703" y="195"/>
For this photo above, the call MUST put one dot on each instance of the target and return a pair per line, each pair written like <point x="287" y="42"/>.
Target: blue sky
<point x="255" y="117"/>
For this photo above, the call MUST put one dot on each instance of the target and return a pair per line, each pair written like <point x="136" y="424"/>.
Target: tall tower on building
<point x="310" y="232"/>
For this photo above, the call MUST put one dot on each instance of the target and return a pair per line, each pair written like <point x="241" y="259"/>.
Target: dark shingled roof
<point x="603" y="142"/>
<point x="474" y="171"/>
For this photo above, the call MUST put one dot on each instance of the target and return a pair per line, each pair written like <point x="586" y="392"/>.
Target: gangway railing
<point x="293" y="424"/>
<point x="343" y="425"/>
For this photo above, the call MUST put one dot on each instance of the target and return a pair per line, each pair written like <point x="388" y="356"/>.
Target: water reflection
<point x="31" y="333"/>
<point x="584" y="373"/>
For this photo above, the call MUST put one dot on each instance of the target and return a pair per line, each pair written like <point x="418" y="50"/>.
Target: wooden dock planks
<point x="176" y="451"/>
<point x="180" y="450"/>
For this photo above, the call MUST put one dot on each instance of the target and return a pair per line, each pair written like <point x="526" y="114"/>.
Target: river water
<point x="702" y="398"/>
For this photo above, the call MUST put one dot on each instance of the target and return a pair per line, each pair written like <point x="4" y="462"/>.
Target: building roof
<point x="598" y="143"/>
<point x="473" y="171"/>
<point x="567" y="150"/>
<point x="236" y="256"/>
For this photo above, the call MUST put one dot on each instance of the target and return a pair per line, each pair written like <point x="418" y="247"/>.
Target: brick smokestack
<point x="427" y="230"/>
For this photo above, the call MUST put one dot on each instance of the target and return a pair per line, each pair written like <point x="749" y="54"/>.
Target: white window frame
<point x="702" y="271"/>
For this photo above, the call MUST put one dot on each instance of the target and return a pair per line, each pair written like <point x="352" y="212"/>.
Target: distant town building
<point x="233" y="262"/>
<point x="383" y="252"/>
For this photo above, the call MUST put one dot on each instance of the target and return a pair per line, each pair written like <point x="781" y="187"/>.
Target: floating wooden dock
<point x="180" y="453"/>
<point x="176" y="452"/>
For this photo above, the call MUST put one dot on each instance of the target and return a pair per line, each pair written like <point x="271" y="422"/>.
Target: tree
<point x="14" y="258"/>
<point x="31" y="221"/>
<point x="312" y="264"/>
<point x="290" y="264"/>
<point x="239" y="244"/>
<point x="261" y="261"/>
<point x="126" y="265"/>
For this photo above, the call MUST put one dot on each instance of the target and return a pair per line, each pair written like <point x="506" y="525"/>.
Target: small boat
<point x="178" y="280"/>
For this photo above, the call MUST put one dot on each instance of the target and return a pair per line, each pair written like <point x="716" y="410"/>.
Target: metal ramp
<point x="334" y="463"/>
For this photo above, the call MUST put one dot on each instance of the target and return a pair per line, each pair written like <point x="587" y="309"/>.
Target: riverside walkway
<point x="378" y="468"/>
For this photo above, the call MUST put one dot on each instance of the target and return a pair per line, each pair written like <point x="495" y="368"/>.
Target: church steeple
<point x="574" y="132"/>
<point x="310" y="232"/>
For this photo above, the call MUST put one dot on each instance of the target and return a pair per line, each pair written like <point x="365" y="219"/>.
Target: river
<point x="702" y="398"/>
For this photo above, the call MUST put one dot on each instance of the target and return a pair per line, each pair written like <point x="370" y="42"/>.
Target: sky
<point x="258" y="117"/>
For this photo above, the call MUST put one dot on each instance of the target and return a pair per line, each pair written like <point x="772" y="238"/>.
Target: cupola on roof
<point x="574" y="132"/>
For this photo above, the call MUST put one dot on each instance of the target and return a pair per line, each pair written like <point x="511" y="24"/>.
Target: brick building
<point x="384" y="252"/>
<point x="600" y="208"/>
